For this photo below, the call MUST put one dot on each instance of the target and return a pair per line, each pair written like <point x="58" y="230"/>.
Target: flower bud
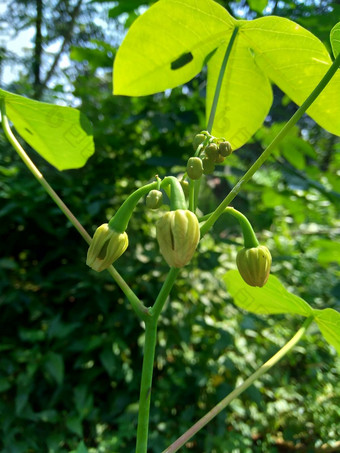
<point x="254" y="265"/>
<point x="154" y="199"/>
<point x="211" y="151"/>
<point x="178" y="234"/>
<point x="224" y="148"/>
<point x="106" y="247"/>
<point x="208" y="166"/>
<point x="185" y="187"/>
<point x="194" y="168"/>
<point x="198" y="139"/>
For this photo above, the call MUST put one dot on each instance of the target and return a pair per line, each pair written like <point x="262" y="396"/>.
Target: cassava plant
<point x="242" y="63"/>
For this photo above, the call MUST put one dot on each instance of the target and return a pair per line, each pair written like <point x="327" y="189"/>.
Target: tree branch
<point x="67" y="37"/>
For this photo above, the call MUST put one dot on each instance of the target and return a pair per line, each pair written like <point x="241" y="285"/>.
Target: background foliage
<point x="70" y="344"/>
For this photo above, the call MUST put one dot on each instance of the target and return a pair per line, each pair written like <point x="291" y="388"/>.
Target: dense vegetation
<point x="70" y="344"/>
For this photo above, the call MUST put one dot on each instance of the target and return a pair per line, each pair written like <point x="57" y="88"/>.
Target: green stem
<point x="146" y="383"/>
<point x="192" y="195"/>
<point x="164" y="292"/>
<point x="137" y="305"/>
<point x="235" y="393"/>
<point x="249" y="236"/>
<point x="120" y="220"/>
<point x="266" y="153"/>
<point x="148" y="360"/>
<point x="177" y="198"/>
<point x="220" y="80"/>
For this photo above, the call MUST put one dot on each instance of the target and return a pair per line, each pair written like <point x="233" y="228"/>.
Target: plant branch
<point x="235" y="393"/>
<point x="137" y="305"/>
<point x="266" y="153"/>
<point x="145" y="387"/>
<point x="148" y="361"/>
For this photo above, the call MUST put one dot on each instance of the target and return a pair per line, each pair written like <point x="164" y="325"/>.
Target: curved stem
<point x="220" y="80"/>
<point x="177" y="198"/>
<point x="235" y="393"/>
<point x="120" y="220"/>
<point x="266" y="153"/>
<point x="249" y="236"/>
<point x="137" y="305"/>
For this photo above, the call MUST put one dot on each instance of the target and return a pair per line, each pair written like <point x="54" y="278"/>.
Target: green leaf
<point x="258" y="5"/>
<point x="61" y="135"/>
<point x="246" y="94"/>
<point x="152" y="58"/>
<point x="295" y="60"/>
<point x="328" y="321"/>
<point x="54" y="365"/>
<point x="335" y="39"/>
<point x="74" y="424"/>
<point x="158" y="38"/>
<point x="273" y="298"/>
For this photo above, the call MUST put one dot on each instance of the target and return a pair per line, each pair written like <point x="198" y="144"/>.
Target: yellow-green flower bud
<point x="106" y="247"/>
<point x="198" y="139"/>
<point x="211" y="151"/>
<point x="194" y="168"/>
<point x="185" y="187"/>
<point x="254" y="265"/>
<point x="208" y="166"/>
<point x="224" y="148"/>
<point x="178" y="234"/>
<point x="154" y="199"/>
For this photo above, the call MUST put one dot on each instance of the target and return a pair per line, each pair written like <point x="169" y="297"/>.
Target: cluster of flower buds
<point x="213" y="151"/>
<point x="254" y="265"/>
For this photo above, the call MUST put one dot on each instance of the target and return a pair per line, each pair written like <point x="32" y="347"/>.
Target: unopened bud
<point x="254" y="265"/>
<point x="211" y="151"/>
<point x="224" y="148"/>
<point x="106" y="247"/>
<point x="198" y="139"/>
<point x="154" y="199"/>
<point x="194" y="168"/>
<point x="178" y="234"/>
<point x="208" y="166"/>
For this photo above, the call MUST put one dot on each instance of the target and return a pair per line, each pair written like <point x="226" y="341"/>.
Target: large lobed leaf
<point x="273" y="298"/>
<point x="61" y="135"/>
<point x="169" y="44"/>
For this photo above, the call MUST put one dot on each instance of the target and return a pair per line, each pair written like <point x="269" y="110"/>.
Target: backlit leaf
<point x="61" y="135"/>
<point x="328" y="321"/>
<point x="168" y="45"/>
<point x="273" y="298"/>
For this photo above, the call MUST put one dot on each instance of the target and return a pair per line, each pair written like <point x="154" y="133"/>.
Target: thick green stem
<point x="120" y="220"/>
<point x="164" y="292"/>
<point x="146" y="383"/>
<point x="249" y="236"/>
<point x="220" y="80"/>
<point x="148" y="360"/>
<point x="266" y="153"/>
<point x="235" y="393"/>
<point x="177" y="198"/>
<point x="137" y="305"/>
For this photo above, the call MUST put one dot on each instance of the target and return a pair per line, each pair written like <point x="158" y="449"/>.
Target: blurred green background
<point x="70" y="344"/>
